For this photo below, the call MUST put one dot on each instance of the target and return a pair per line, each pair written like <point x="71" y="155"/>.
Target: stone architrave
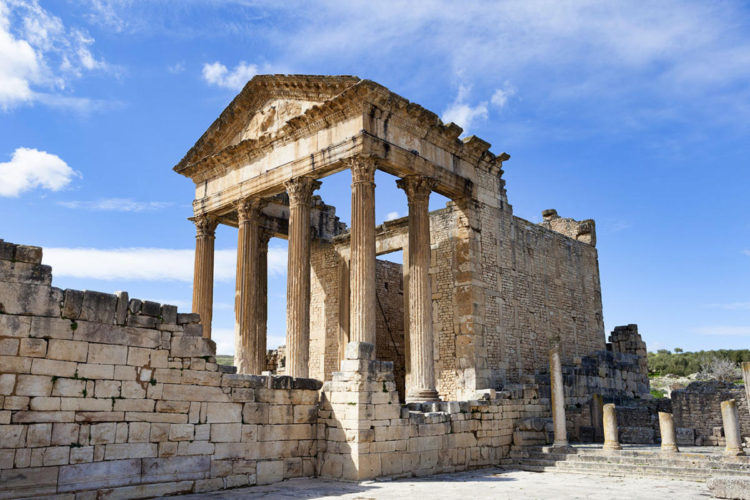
<point x="362" y="266"/>
<point x="262" y="304"/>
<point x="300" y="191"/>
<point x="668" y="436"/>
<point x="557" y="390"/>
<point x="421" y="340"/>
<point x="611" y="434"/>
<point x="730" y="419"/>
<point x="246" y="292"/>
<point x="203" y="271"/>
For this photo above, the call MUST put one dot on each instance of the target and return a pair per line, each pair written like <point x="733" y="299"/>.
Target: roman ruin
<point x="483" y="348"/>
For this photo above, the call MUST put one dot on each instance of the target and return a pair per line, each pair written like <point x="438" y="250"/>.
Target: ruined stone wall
<point x="389" y="295"/>
<point x="100" y="393"/>
<point x="365" y="433"/>
<point x="698" y="407"/>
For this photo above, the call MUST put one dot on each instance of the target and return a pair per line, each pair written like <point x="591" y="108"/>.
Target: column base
<point x="670" y="448"/>
<point x="422" y="396"/>
<point x="611" y="447"/>
<point x="734" y="452"/>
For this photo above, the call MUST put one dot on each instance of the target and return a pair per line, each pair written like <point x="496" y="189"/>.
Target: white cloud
<point x="391" y="216"/>
<point x="463" y="114"/>
<point x="501" y="95"/>
<point x="38" y="52"/>
<point x="741" y="331"/>
<point x="29" y="168"/>
<point x="224" y="338"/>
<point x="218" y="74"/>
<point x="176" y="68"/>
<point x="117" y="205"/>
<point x="148" y="264"/>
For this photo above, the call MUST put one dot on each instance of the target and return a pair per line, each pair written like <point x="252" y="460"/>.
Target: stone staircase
<point x="691" y="464"/>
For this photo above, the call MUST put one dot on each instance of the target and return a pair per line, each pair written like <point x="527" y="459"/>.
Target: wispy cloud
<point x="147" y="264"/>
<point x="117" y="205"/>
<point x="218" y="74"/>
<point x="740" y="331"/>
<point x="30" y="168"/>
<point x="462" y="113"/>
<point x="392" y="216"/>
<point x="224" y="338"/>
<point x="40" y="56"/>
<point x="176" y="68"/>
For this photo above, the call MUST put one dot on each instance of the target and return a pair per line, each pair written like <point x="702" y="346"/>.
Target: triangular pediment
<point x="265" y="104"/>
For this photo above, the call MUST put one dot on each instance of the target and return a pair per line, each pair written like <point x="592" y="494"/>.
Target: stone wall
<point x="698" y="407"/>
<point x="103" y="394"/>
<point x="365" y="433"/>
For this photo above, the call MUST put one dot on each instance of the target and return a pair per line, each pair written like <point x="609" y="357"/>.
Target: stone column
<point x="668" y="436"/>
<point x="262" y="303"/>
<point x="746" y="376"/>
<point x="731" y="428"/>
<point x="246" y="292"/>
<point x="421" y="343"/>
<point x="300" y="192"/>
<point x="611" y="437"/>
<point x="557" y="391"/>
<point x="203" y="271"/>
<point x="362" y="266"/>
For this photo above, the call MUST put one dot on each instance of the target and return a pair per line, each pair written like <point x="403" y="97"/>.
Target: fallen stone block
<point x="736" y="488"/>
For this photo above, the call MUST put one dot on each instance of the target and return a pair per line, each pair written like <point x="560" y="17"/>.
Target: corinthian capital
<point x="249" y="209"/>
<point x="205" y="226"/>
<point x="417" y="187"/>
<point x="300" y="190"/>
<point x="363" y="169"/>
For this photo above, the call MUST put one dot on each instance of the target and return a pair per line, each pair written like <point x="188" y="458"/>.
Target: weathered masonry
<point x="482" y="290"/>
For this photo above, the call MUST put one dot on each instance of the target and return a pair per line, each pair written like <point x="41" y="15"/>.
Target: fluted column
<point x="262" y="303"/>
<point x="362" y="270"/>
<point x="557" y="390"/>
<point x="421" y="345"/>
<point x="300" y="192"/>
<point x="203" y="270"/>
<point x="246" y="292"/>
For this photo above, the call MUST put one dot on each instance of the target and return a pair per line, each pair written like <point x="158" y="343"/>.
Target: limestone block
<point x="13" y="436"/>
<point x="236" y="450"/>
<point x="729" y="487"/>
<point x="33" y="482"/>
<point x="72" y="303"/>
<point x="55" y="455"/>
<point x="168" y="449"/>
<point x="223" y="413"/>
<point x="107" y="354"/>
<point x="41" y="366"/>
<point x="285" y="432"/>
<point x="119" y="451"/>
<point x="108" y="474"/>
<point x="195" y="448"/>
<point x="121" y="307"/>
<point x="99" y="416"/>
<point x="138" y="356"/>
<point x="172" y="406"/>
<point x="44" y="404"/>
<point x="188" y="346"/>
<point x="68" y="350"/>
<point x="226" y="433"/>
<point x="169" y="314"/>
<point x="7" y="459"/>
<point x="270" y="471"/>
<point x="188" y="318"/>
<point x="81" y="455"/>
<point x="134" y="405"/>
<point x="85" y="404"/>
<point x="7" y="383"/>
<point x="98" y="307"/>
<point x="96" y="371"/>
<point x="30" y="299"/>
<point x="141" y="321"/>
<point x="132" y="389"/>
<point x="159" y="358"/>
<point x="22" y="458"/>
<point x="133" y="416"/>
<point x="176" y="468"/>
<point x="181" y="432"/>
<point x="249" y="433"/>
<point x="88" y="331"/>
<point x="193" y="393"/>
<point x="255" y="413"/>
<point x="107" y="388"/>
<point x="205" y="485"/>
<point x="68" y="387"/>
<point x="33" y="385"/>
<point x="202" y="432"/>
<point x="38" y="435"/>
<point x="64" y="434"/>
<point x="8" y="347"/>
<point x="15" y="364"/>
<point x="103" y="433"/>
<point x="14" y="326"/>
<point x="34" y="348"/>
<point x="201" y="377"/>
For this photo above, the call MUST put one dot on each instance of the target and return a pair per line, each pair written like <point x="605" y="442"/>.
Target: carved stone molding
<point x="362" y="168"/>
<point x="300" y="190"/>
<point x="249" y="209"/>
<point x="417" y="187"/>
<point x="205" y="226"/>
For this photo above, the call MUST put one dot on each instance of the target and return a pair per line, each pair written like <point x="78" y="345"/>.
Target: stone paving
<point x="483" y="483"/>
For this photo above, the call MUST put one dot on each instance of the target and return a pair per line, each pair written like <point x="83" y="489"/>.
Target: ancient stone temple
<point x="480" y="292"/>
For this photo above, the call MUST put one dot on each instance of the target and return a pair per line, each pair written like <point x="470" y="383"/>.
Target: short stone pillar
<point x="731" y="428"/>
<point x="668" y="436"/>
<point x="557" y="390"/>
<point x="597" y="414"/>
<point x="611" y="437"/>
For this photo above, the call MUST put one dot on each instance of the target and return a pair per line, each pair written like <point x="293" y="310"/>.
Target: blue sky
<point x="635" y="114"/>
